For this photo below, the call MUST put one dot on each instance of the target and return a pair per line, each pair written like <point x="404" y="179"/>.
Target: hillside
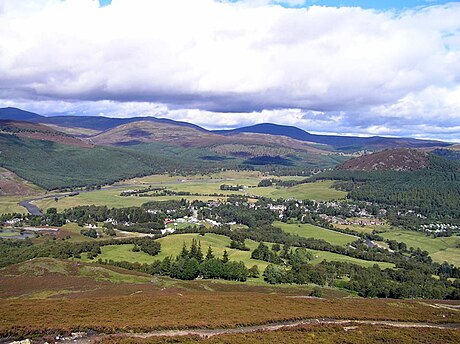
<point x="147" y="131"/>
<point x="39" y="132"/>
<point x="55" y="165"/>
<point x="390" y="159"/>
<point x="170" y="133"/>
<point x="12" y="185"/>
<point x="405" y="179"/>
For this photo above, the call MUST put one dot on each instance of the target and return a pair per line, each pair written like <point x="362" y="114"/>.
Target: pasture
<point x="440" y="249"/>
<point x="171" y="245"/>
<point x="10" y="204"/>
<point x="319" y="191"/>
<point x="310" y="231"/>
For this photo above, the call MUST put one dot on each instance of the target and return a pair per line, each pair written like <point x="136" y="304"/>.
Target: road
<point x="349" y="324"/>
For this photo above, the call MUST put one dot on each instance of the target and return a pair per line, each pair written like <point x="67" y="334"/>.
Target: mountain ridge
<point x="339" y="143"/>
<point x="100" y="123"/>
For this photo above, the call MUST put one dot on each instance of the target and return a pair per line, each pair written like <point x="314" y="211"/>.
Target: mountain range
<point x="62" y="151"/>
<point x="99" y="124"/>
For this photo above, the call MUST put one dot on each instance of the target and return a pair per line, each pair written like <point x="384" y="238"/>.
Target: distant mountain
<point x="343" y="143"/>
<point x="272" y="129"/>
<point x="186" y="136"/>
<point x="10" y="113"/>
<point x="265" y="133"/>
<point x="137" y="132"/>
<point x="107" y="123"/>
<point x="389" y="159"/>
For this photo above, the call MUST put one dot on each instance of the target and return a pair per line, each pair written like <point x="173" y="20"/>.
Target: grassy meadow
<point x="366" y="228"/>
<point x="319" y="191"/>
<point x="171" y="245"/>
<point x="10" y="204"/>
<point x="440" y="249"/>
<point x="197" y="184"/>
<point x="310" y="231"/>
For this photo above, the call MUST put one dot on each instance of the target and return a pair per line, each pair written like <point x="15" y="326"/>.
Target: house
<point x="167" y="231"/>
<point x="168" y="221"/>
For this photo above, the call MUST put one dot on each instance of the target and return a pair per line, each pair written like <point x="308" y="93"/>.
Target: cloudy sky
<point x="328" y="66"/>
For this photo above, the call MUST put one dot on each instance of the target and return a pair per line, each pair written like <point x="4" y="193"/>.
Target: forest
<point x="433" y="192"/>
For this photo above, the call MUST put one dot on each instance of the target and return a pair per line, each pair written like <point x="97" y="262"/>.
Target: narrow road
<point x="84" y="338"/>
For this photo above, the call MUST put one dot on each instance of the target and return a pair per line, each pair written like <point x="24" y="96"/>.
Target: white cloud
<point x="225" y="64"/>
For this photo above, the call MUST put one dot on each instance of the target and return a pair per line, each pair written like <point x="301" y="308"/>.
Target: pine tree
<point x="184" y="253"/>
<point x="199" y="253"/>
<point x="209" y="254"/>
<point x="193" y="249"/>
<point x="225" y="257"/>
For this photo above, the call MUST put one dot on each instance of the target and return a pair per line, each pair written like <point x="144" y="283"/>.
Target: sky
<point x="389" y="68"/>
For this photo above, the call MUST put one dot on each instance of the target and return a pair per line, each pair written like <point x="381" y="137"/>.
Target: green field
<point x="311" y="231"/>
<point x="110" y="198"/>
<point x="319" y="191"/>
<point x="10" y="204"/>
<point x="197" y="184"/>
<point x="171" y="245"/>
<point x="368" y="229"/>
<point x="440" y="249"/>
<point x="122" y="253"/>
<point x="319" y="256"/>
<point x="7" y="233"/>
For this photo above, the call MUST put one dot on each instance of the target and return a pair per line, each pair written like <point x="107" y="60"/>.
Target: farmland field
<point x="110" y="198"/>
<point x="319" y="256"/>
<point x="171" y="245"/>
<point x="123" y="253"/>
<point x="310" y="231"/>
<point x="440" y="249"/>
<point x="320" y="191"/>
<point x="198" y="184"/>
<point x="365" y="228"/>
<point x="10" y="204"/>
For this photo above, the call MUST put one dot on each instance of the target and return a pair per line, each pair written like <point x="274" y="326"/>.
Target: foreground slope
<point x="114" y="300"/>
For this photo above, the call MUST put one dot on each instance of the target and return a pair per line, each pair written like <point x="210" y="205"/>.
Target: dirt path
<point x="85" y="338"/>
